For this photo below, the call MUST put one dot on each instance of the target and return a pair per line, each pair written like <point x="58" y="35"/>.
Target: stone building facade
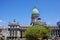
<point x="16" y="31"/>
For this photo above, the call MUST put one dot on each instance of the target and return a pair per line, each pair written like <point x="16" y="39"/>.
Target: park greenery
<point x="37" y="33"/>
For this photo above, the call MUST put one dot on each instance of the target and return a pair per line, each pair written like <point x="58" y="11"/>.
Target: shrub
<point x="35" y="32"/>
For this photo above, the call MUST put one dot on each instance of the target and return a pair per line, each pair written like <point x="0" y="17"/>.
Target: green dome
<point x="35" y="11"/>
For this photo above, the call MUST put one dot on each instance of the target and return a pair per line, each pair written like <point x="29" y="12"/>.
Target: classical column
<point x="21" y="33"/>
<point x="16" y="33"/>
<point x="57" y="32"/>
<point x="10" y="32"/>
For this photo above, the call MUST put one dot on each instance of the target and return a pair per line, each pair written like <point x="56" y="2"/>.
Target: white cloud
<point x="0" y="25"/>
<point x="51" y="23"/>
<point x="1" y="21"/>
<point x="48" y="23"/>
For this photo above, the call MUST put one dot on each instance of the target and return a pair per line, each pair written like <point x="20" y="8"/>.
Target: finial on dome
<point x="34" y="6"/>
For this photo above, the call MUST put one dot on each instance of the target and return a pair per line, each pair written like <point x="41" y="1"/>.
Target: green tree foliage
<point x="35" y="32"/>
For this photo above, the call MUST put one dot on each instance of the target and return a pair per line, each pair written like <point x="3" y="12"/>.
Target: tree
<point x="36" y="32"/>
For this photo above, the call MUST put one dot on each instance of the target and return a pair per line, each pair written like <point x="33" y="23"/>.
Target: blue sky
<point x="21" y="10"/>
